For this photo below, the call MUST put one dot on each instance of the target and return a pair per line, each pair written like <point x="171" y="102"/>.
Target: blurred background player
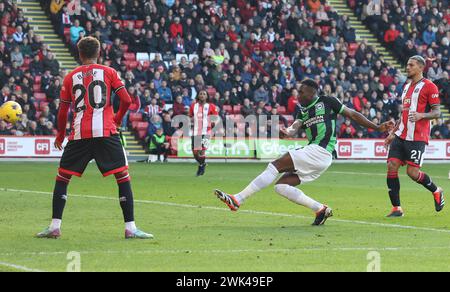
<point x="409" y="139"/>
<point x="318" y="118"/>
<point x="94" y="134"/>
<point x="201" y="113"/>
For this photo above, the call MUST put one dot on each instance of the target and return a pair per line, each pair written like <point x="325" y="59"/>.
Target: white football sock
<point x="130" y="226"/>
<point x="56" y="224"/>
<point x="297" y="196"/>
<point x="264" y="180"/>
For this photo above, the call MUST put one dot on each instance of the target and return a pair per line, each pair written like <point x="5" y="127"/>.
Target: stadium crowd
<point x="29" y="74"/>
<point x="248" y="55"/>
<point x="411" y="27"/>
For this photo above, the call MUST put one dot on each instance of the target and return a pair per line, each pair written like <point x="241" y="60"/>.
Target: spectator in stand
<point x="75" y="31"/>
<point x="391" y="35"/>
<point x="158" y="145"/>
<point x="440" y="128"/>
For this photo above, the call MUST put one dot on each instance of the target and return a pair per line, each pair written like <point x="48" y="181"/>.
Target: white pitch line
<point x="217" y="251"/>
<point x="374" y="174"/>
<point x="20" y="268"/>
<point x="398" y="226"/>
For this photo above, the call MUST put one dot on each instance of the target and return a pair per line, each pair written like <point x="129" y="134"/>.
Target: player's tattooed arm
<point x="292" y="130"/>
<point x="363" y="121"/>
<point x="435" y="113"/>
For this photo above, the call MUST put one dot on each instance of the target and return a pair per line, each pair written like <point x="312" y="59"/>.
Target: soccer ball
<point x="10" y="112"/>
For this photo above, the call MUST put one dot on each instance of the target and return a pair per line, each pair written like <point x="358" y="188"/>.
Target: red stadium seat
<point x="134" y="124"/>
<point x="37" y="88"/>
<point x="282" y="110"/>
<point x="142" y="126"/>
<point x="36" y="104"/>
<point x="237" y="109"/>
<point x="135" y="117"/>
<point x="142" y="134"/>
<point x="37" y="79"/>
<point x="228" y="109"/>
<point x="129" y="56"/>
<point x="211" y="91"/>
<point x="40" y="96"/>
<point x="126" y="22"/>
<point x="138" y="24"/>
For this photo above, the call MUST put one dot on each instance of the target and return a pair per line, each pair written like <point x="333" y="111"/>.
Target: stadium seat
<point x="228" y="109"/>
<point x="37" y="88"/>
<point x="134" y="124"/>
<point x="142" y="57"/>
<point x="193" y="56"/>
<point x="139" y="24"/>
<point x="132" y="64"/>
<point x="237" y="109"/>
<point x="282" y="110"/>
<point x="136" y="117"/>
<point x="36" y="104"/>
<point x="142" y="126"/>
<point x="142" y="134"/>
<point x="211" y="91"/>
<point x="129" y="56"/>
<point x="37" y="79"/>
<point x="40" y="96"/>
<point x="125" y="23"/>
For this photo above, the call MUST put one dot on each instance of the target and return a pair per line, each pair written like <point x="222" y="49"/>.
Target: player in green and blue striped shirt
<point x="318" y="118"/>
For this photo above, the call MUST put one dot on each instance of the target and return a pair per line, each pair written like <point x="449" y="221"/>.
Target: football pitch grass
<point x="194" y="231"/>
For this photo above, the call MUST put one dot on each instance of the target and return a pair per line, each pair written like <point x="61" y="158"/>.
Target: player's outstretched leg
<point x="393" y="184"/>
<point x="422" y="178"/>
<point x="286" y="187"/>
<point x="59" y="202"/>
<point x="265" y="179"/>
<point x="127" y="205"/>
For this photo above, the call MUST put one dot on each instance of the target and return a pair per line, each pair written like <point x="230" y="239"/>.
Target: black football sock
<point x="426" y="181"/>
<point x="126" y="200"/>
<point x="59" y="198"/>
<point x="393" y="184"/>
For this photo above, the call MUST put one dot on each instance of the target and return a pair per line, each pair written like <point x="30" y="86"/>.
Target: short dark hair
<point x="89" y="47"/>
<point x="311" y="83"/>
<point x="419" y="59"/>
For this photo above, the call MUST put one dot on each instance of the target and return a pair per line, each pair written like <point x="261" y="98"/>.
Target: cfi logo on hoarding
<point x="380" y="150"/>
<point x="42" y="147"/>
<point x="345" y="149"/>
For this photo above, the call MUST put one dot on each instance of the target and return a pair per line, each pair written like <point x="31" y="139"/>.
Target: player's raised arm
<point x="363" y="121"/>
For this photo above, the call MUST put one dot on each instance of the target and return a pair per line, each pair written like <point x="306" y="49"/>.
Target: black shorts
<point x="407" y="152"/>
<point x="200" y="143"/>
<point x="108" y="153"/>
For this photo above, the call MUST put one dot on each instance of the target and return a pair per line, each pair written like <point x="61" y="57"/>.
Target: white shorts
<point x="310" y="162"/>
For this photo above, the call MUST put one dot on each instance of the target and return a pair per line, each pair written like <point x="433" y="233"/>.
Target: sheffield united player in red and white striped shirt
<point x="94" y="134"/>
<point x="409" y="139"/>
<point x="201" y="113"/>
